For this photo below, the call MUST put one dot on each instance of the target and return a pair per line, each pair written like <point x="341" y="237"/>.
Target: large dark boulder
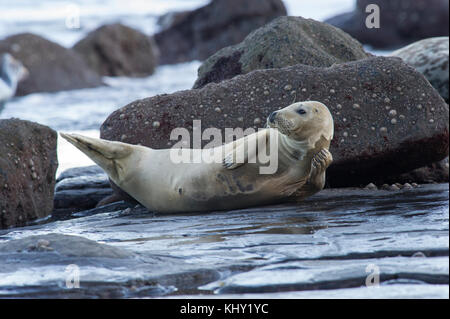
<point x="429" y="57"/>
<point x="28" y="165"/>
<point x="118" y="50"/>
<point x="284" y="42"/>
<point x="388" y="118"/>
<point x="401" y="22"/>
<point x="51" y="67"/>
<point x="200" y="33"/>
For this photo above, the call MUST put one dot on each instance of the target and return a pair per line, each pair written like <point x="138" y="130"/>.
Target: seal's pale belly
<point x="203" y="187"/>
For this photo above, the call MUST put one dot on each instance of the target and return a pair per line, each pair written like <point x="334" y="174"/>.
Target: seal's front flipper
<point x="102" y="152"/>
<point x="322" y="160"/>
<point x="319" y="164"/>
<point x="316" y="180"/>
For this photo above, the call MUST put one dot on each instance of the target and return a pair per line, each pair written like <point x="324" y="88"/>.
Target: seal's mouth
<point x="283" y="125"/>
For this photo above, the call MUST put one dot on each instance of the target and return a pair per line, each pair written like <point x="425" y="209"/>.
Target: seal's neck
<point x="296" y="150"/>
<point x="300" y="150"/>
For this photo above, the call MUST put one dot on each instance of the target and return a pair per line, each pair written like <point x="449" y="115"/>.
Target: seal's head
<point x="304" y="122"/>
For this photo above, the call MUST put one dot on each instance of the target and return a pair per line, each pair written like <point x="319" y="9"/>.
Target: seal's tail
<point x="102" y="152"/>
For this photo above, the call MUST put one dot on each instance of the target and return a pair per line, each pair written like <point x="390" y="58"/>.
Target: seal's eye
<point x="301" y="111"/>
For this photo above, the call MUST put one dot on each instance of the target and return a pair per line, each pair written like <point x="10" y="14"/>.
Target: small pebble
<point x="394" y="187"/>
<point x="371" y="186"/>
<point x="43" y="242"/>
<point x="407" y="186"/>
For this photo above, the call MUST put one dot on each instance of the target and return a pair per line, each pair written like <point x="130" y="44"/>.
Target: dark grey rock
<point x="79" y="189"/>
<point x="118" y="50"/>
<point x="429" y="57"/>
<point x="66" y="245"/>
<point x="433" y="173"/>
<point x="80" y="171"/>
<point x="200" y="33"/>
<point x="171" y="19"/>
<point x="285" y="41"/>
<point x="79" y="199"/>
<point x="51" y="67"/>
<point x="401" y="22"/>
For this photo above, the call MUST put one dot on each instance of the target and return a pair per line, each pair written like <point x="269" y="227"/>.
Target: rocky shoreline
<point x="386" y="196"/>
<point x="391" y="124"/>
<point x="316" y="248"/>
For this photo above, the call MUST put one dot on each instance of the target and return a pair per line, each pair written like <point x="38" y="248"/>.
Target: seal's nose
<point x="272" y="116"/>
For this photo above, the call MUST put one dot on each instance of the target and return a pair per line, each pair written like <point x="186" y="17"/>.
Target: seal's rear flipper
<point x="102" y="152"/>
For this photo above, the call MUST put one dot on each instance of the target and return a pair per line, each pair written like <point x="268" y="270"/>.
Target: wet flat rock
<point x="63" y="245"/>
<point x="324" y="247"/>
<point x="79" y="189"/>
<point x="398" y="291"/>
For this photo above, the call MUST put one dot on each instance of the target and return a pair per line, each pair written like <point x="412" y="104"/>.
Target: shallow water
<point x="323" y="244"/>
